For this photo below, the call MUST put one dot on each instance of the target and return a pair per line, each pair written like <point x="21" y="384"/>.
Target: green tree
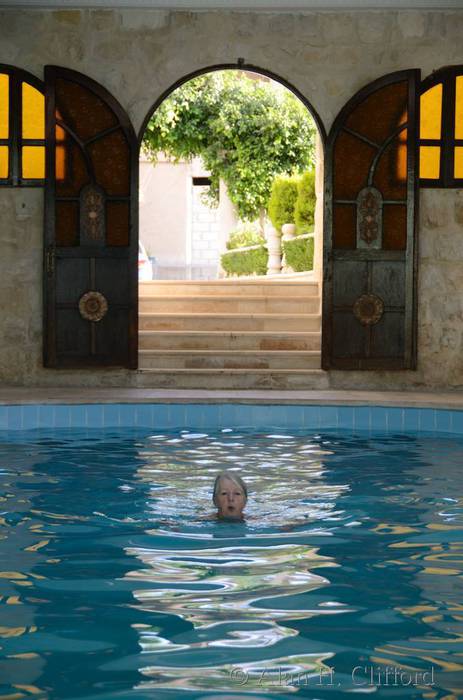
<point x="247" y="131"/>
<point x="282" y="202"/>
<point x="304" y="211"/>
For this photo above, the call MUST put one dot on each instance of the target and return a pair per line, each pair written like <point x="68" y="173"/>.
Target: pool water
<point x="345" y="577"/>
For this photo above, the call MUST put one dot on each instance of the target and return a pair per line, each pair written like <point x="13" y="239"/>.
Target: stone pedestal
<point x="288" y="233"/>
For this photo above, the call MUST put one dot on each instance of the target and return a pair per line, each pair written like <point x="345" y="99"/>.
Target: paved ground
<point x="28" y="395"/>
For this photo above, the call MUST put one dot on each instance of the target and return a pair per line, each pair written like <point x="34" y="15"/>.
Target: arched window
<point x="441" y="128"/>
<point x="22" y="128"/>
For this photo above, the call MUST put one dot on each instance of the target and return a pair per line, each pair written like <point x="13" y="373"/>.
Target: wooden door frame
<point x="49" y="304"/>
<point x="413" y="77"/>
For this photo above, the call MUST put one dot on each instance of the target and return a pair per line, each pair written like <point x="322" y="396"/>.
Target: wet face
<point x="230" y="499"/>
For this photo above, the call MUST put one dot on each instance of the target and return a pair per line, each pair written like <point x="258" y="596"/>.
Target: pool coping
<point x="98" y="395"/>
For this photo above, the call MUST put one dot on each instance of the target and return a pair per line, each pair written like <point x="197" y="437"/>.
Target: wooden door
<point x="369" y="286"/>
<point x="91" y="232"/>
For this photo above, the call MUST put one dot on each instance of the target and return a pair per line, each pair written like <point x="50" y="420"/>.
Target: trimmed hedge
<point x="243" y="238"/>
<point x="282" y="201"/>
<point x="299" y="253"/>
<point x="247" y="261"/>
<point x="304" y="210"/>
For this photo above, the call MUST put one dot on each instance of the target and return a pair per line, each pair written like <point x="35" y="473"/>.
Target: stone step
<point x="229" y="359"/>
<point x="242" y="304"/>
<point x="228" y="287"/>
<point x="233" y="323"/>
<point x="222" y="340"/>
<point x="233" y="379"/>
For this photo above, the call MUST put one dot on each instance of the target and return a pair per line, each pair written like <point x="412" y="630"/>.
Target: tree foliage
<point x="282" y="201"/>
<point x="247" y="131"/>
<point x="304" y="210"/>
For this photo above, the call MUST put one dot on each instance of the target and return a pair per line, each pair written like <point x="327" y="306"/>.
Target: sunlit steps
<point x="228" y="304"/>
<point x="220" y="340"/>
<point x="254" y="287"/>
<point x="234" y="323"/>
<point x="230" y="359"/>
<point x="233" y="379"/>
<point x="230" y="334"/>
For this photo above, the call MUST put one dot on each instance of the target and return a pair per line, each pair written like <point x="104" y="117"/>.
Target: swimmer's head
<point x="230" y="495"/>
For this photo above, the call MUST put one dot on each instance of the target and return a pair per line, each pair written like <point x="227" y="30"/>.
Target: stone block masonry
<point x="326" y="55"/>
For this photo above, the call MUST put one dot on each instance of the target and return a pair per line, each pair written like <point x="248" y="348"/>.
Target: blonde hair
<point x="234" y="478"/>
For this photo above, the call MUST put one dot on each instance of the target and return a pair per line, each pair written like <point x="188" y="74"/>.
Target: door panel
<point x="387" y="338"/>
<point x="369" y="287"/>
<point x="91" y="228"/>
<point x="388" y="280"/>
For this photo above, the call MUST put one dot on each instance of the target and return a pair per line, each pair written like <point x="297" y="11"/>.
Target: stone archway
<point x="258" y="72"/>
<point x="240" y="332"/>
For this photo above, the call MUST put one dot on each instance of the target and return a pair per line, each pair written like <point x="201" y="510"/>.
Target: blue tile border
<point x="311" y="417"/>
<point x="379" y="418"/>
<point x="346" y="417"/>
<point x="412" y="419"/>
<point x="46" y="416"/>
<point x="456" y="421"/>
<point x="395" y="419"/>
<point x="427" y="418"/>
<point x="362" y="418"/>
<point x="216" y="416"/>
<point x="143" y="415"/>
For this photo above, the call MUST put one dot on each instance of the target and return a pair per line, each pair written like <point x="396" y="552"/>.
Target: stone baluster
<point x="274" y="250"/>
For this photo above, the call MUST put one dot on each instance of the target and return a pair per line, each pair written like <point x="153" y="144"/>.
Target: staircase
<point x="229" y="334"/>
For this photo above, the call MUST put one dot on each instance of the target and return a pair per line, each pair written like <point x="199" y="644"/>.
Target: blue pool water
<point x="345" y="578"/>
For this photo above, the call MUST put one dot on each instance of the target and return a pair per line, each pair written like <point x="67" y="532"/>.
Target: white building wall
<point x="204" y="236"/>
<point x="164" y="211"/>
<point x="183" y="234"/>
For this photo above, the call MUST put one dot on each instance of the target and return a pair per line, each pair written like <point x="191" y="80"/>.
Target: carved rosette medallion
<point x="369" y="218"/>
<point x="368" y="309"/>
<point x="93" y="306"/>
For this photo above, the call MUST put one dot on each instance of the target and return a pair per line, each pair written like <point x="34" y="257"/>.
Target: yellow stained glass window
<point x="458" y="165"/>
<point x="4" y="105"/>
<point x="22" y="128"/>
<point x="3" y="162"/>
<point x="402" y="153"/>
<point x="430" y="162"/>
<point x="60" y="133"/>
<point x="33" y="162"/>
<point x="402" y="162"/>
<point x="60" y="152"/>
<point x="60" y="163"/>
<point x="33" y="116"/>
<point x="459" y="108"/>
<point x="431" y="113"/>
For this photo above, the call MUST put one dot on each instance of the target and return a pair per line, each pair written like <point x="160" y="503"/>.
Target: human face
<point x="230" y="500"/>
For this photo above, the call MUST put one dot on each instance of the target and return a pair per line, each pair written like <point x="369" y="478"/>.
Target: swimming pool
<point x="346" y="576"/>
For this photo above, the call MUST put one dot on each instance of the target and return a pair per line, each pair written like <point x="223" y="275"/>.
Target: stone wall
<point x="327" y="56"/>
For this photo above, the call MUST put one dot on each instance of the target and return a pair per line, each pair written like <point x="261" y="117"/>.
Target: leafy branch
<point x="246" y="130"/>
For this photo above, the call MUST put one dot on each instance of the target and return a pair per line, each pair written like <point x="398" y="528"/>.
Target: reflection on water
<point x="345" y="577"/>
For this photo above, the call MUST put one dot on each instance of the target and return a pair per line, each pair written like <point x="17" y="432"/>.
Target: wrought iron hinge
<point x="50" y="261"/>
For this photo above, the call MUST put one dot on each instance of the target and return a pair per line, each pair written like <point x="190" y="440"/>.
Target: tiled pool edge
<point x="217" y="415"/>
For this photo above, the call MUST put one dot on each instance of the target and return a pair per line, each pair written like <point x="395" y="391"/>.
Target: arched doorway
<point x="297" y="338"/>
<point x="183" y="146"/>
